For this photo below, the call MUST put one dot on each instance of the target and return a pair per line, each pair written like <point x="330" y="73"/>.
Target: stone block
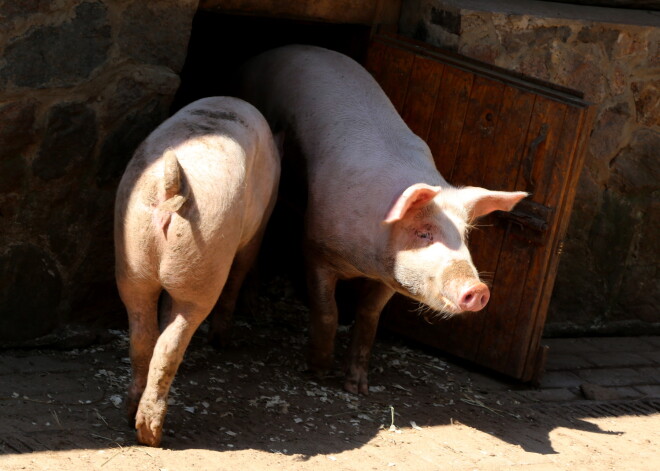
<point x="653" y="340"/>
<point x="620" y="344"/>
<point x="70" y="137"/>
<point x="516" y="41"/>
<point x="549" y="395"/>
<point x="17" y="133"/>
<point x="134" y="88"/>
<point x="121" y="142"/>
<point x="639" y="291"/>
<point x="647" y="103"/>
<point x="627" y="392"/>
<point x="157" y="33"/>
<point x="612" y="376"/>
<point x="649" y="390"/>
<point x="571" y="346"/>
<point x="585" y="70"/>
<point x="30" y="293"/>
<point x="654" y="356"/>
<point x="17" y="121"/>
<point x="610" y="127"/>
<point x="447" y="19"/>
<point x="628" y="44"/>
<point x="595" y="392"/>
<point x="651" y="373"/>
<point x="604" y="36"/>
<point x="635" y="171"/>
<point x="59" y="56"/>
<point x="560" y="379"/>
<point x="653" y="58"/>
<point x="566" y="361"/>
<point x="617" y="359"/>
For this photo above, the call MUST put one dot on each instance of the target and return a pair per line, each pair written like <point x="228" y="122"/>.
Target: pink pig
<point x="377" y="206"/>
<point x="190" y="213"/>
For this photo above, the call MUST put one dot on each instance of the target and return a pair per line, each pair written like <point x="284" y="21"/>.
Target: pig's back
<point x="333" y="105"/>
<point x="229" y="170"/>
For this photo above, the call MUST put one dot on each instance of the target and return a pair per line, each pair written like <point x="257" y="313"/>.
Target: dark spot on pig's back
<point x="200" y="128"/>
<point x="220" y="115"/>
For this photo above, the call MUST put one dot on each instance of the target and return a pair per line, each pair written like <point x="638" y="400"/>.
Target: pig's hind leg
<point x="373" y="297"/>
<point x="141" y="301"/>
<point x="221" y="317"/>
<point x="168" y="353"/>
<point x="321" y="286"/>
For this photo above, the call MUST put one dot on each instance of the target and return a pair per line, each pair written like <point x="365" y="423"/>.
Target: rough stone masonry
<point x="81" y="84"/>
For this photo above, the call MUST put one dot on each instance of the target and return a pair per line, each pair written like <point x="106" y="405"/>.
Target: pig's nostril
<point x="474" y="298"/>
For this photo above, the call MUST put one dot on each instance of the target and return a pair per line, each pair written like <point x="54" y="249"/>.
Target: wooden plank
<point x="478" y="134"/>
<point x="422" y="94"/>
<point x="448" y="118"/>
<point x="567" y="163"/>
<point x="475" y="146"/>
<point x="376" y="61"/>
<point x="500" y="163"/>
<point x="521" y="267"/>
<point x="392" y="69"/>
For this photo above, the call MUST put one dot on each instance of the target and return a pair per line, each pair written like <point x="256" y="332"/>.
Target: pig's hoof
<point x="149" y="432"/>
<point x="356" y="386"/>
<point x="356" y="380"/>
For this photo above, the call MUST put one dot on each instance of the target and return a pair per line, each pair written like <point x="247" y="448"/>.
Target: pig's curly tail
<point x="172" y="182"/>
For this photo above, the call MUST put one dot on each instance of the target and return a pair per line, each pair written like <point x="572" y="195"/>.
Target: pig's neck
<point x="352" y="191"/>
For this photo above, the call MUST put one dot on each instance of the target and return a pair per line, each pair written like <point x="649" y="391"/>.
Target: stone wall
<point x="608" y="276"/>
<point x="82" y="82"/>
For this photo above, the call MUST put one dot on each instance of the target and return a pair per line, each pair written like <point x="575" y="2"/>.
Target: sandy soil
<point x="252" y="406"/>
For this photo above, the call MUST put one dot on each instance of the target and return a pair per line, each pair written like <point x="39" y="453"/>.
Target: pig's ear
<point x="480" y="201"/>
<point x="415" y="196"/>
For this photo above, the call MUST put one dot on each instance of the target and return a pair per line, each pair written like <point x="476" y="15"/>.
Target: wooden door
<point x="492" y="128"/>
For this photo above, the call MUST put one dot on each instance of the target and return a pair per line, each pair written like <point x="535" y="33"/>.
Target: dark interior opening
<point x="219" y="43"/>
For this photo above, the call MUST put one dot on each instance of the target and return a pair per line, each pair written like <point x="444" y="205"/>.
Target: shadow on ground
<point x="256" y="395"/>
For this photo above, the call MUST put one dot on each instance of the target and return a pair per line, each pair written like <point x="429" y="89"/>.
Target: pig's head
<point x="429" y="257"/>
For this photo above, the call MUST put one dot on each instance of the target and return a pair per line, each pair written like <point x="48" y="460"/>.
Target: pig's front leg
<point x="321" y="285"/>
<point x="167" y="357"/>
<point x="373" y="297"/>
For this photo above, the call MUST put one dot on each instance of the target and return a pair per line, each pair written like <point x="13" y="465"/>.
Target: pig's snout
<point x="474" y="297"/>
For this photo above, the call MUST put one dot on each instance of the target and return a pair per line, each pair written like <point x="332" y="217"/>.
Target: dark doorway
<point x="220" y="42"/>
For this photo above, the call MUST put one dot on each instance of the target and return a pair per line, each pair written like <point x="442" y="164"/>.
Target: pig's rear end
<point x="189" y="217"/>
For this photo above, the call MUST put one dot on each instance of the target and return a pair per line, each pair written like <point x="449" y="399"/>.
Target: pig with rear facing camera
<point x="190" y="213"/>
<point x="377" y="207"/>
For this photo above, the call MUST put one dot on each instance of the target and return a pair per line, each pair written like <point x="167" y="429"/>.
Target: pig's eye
<point x="426" y="235"/>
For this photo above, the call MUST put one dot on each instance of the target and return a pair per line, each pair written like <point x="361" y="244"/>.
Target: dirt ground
<point x="252" y="406"/>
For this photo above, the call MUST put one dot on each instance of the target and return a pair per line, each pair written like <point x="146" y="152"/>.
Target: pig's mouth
<point x="442" y="309"/>
<point x="448" y="306"/>
<point x="437" y="306"/>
